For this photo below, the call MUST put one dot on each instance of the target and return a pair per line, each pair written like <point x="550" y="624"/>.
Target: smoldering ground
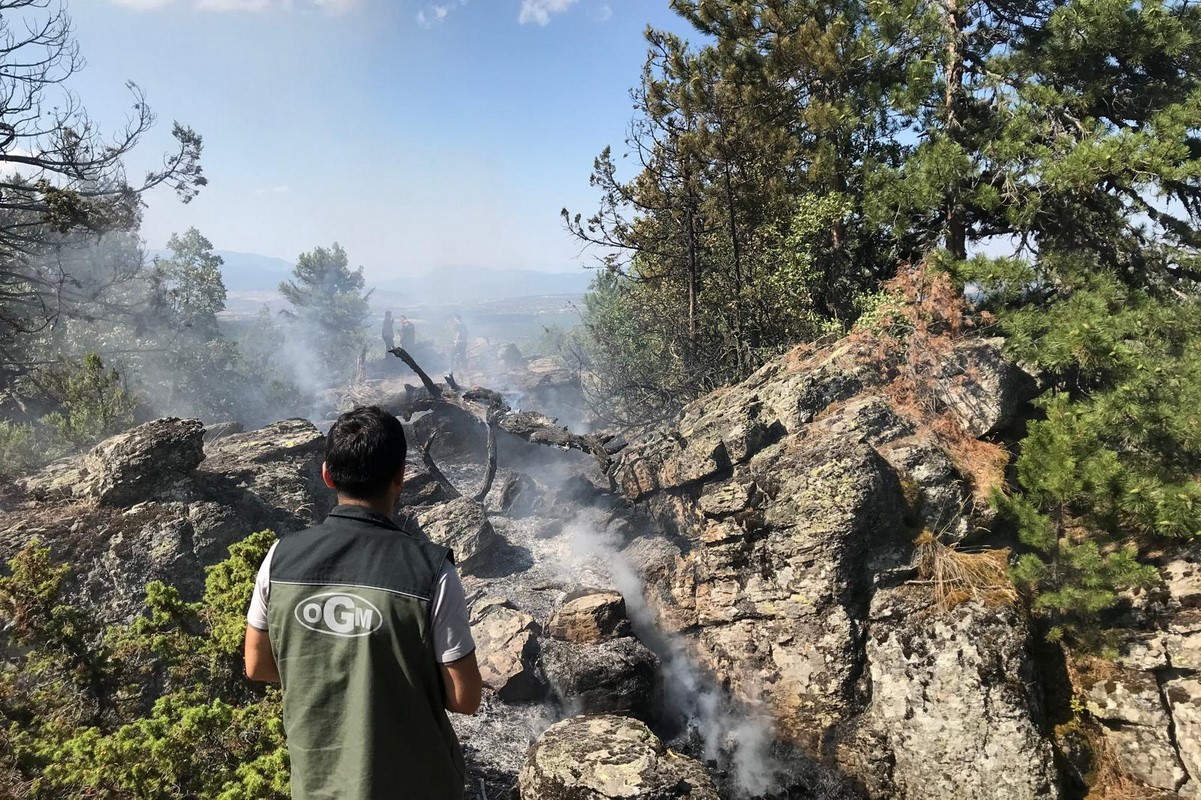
<point x="579" y="535"/>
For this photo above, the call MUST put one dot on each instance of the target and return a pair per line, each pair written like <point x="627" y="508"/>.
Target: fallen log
<point x="488" y="406"/>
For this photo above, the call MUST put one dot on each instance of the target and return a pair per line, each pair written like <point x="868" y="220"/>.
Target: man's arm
<point x="454" y="646"/>
<point x="463" y="685"/>
<point x="260" y="661"/>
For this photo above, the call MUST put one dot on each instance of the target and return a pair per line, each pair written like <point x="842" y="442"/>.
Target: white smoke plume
<point x="737" y="739"/>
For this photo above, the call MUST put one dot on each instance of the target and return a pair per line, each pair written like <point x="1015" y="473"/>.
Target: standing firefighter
<point x="387" y="332"/>
<point x="458" y="345"/>
<point x="365" y="625"/>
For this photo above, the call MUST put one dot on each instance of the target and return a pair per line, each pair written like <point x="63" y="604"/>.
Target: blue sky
<point x="417" y="134"/>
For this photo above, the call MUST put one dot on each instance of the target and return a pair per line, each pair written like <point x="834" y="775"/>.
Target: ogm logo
<point x="338" y="614"/>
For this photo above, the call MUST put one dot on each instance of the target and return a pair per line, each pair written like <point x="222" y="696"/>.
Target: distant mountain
<point x="471" y="285"/>
<point x="248" y="272"/>
<point x="252" y="279"/>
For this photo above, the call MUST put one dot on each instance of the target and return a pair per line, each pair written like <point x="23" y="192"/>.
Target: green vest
<point x="349" y="622"/>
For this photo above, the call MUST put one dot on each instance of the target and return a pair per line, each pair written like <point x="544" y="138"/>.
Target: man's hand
<point x="463" y="684"/>
<point x="260" y="661"/>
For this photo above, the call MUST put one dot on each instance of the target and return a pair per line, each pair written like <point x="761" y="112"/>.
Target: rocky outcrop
<point x="606" y="758"/>
<point x="155" y="503"/>
<point x="1148" y="701"/>
<point x="790" y="502"/>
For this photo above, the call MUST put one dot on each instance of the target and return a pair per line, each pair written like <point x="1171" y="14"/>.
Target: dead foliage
<point x="959" y="576"/>
<point x="911" y="343"/>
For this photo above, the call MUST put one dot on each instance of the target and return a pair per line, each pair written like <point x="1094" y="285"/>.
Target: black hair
<point x="364" y="451"/>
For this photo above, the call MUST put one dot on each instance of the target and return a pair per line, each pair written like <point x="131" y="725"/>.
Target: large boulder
<point x="619" y="675"/>
<point x="506" y="640"/>
<point x="950" y="688"/>
<point x="590" y="617"/>
<point x="609" y="758"/>
<point x="143" y="463"/>
<point x="462" y="525"/>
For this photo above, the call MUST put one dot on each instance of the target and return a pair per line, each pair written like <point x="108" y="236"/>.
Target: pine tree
<point x="329" y="307"/>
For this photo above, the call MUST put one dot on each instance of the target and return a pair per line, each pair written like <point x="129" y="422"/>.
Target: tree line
<point x="94" y="334"/>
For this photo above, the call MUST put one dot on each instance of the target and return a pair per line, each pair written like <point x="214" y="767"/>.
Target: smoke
<point x="733" y="737"/>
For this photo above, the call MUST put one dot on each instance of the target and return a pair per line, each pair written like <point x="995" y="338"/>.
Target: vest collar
<point x="364" y="515"/>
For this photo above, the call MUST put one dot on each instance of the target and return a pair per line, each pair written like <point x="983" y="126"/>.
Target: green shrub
<point x="158" y="708"/>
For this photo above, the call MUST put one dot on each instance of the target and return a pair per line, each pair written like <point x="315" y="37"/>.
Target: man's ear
<point x="325" y="476"/>
<point x="398" y="482"/>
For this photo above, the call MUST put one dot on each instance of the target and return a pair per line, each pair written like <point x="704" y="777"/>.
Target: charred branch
<point x="490" y="466"/>
<point x="432" y="467"/>
<point x="489" y="407"/>
<point x="430" y="386"/>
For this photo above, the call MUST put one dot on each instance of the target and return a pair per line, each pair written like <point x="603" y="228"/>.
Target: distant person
<point x="408" y="334"/>
<point x="458" y="345"/>
<point x="366" y="627"/>
<point x="387" y="332"/>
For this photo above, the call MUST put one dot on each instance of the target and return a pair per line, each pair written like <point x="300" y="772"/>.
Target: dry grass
<point x="958" y="576"/>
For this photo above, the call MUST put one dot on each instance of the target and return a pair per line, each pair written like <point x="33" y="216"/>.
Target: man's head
<point x="365" y="455"/>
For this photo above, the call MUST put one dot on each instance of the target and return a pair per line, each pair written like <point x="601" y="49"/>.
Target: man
<point x="366" y="627"/>
<point x="458" y="346"/>
<point x="408" y="334"/>
<point x="387" y="331"/>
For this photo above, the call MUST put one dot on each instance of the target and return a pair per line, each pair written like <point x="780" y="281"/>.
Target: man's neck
<point x="381" y="507"/>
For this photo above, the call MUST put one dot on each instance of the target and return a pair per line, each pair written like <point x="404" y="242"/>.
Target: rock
<point x="590" y="618"/>
<point x="176" y="524"/>
<point x="57" y="480"/>
<point x="619" y="675"/>
<point x="1183" y="580"/>
<point x="420" y="488"/>
<point x="461" y="525"/>
<point x="507" y="643"/>
<point x="272" y="475"/>
<point x="518" y="494"/>
<point x="941" y="493"/>
<point x="142" y="463"/>
<point x="609" y="757"/>
<point x="1184" y="701"/>
<point x="1137" y="725"/>
<point x="509" y="357"/>
<point x="787" y="632"/>
<point x="950" y="689"/>
<point x="219" y="430"/>
<point x="982" y="387"/>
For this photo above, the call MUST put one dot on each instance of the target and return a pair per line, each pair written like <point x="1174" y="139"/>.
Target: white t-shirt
<point x="448" y="611"/>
